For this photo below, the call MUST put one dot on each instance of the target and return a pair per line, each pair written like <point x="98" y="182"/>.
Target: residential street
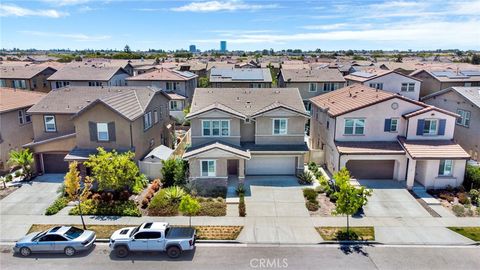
<point x="261" y="257"/>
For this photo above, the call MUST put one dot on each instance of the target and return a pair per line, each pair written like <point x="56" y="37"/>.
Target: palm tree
<point x="22" y="158"/>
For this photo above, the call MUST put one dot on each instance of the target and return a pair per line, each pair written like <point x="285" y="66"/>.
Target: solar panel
<point x="443" y="73"/>
<point x="239" y="74"/>
<point x="363" y="74"/>
<point x="471" y="72"/>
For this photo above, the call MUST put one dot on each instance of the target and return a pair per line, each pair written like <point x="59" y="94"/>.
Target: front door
<point x="232" y="166"/>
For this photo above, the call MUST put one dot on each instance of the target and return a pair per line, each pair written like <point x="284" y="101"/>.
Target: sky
<point x="245" y="25"/>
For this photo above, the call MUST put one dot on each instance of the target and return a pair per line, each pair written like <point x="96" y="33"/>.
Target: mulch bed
<point x="326" y="206"/>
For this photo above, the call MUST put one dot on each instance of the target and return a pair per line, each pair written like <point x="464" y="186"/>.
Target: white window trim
<point x="436" y="127"/>
<point x="155" y="116"/>
<point x="214" y="174"/>
<point x="149" y="116"/>
<point x="211" y="128"/>
<point x="444" y="164"/>
<point x="396" y="126"/>
<point x="310" y="88"/>
<point x="98" y="132"/>
<point x="463" y="118"/>
<point x="54" y="123"/>
<point x="354" y="126"/>
<point x="279" y="130"/>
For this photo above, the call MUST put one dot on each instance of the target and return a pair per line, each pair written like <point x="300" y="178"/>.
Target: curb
<point x="345" y="242"/>
<point x="104" y="240"/>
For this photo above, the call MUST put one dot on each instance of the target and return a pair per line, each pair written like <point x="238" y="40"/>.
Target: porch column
<point x="412" y="165"/>
<point x="241" y="169"/>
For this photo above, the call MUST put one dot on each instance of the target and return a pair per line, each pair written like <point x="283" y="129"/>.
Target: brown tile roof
<point x="85" y="73"/>
<point x="362" y="148"/>
<point x="245" y="102"/>
<point x="175" y="96"/>
<point x="236" y="150"/>
<point x="12" y="99"/>
<point x="433" y="149"/>
<point x="163" y="74"/>
<point x="430" y="108"/>
<point x="21" y="72"/>
<point x="315" y="75"/>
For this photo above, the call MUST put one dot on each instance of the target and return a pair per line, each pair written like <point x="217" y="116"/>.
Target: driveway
<point x="277" y="214"/>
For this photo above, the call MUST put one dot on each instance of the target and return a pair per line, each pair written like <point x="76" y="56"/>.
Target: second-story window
<point x="172" y="86"/>
<point x="218" y="128"/>
<point x="280" y="126"/>
<point x="50" y="125"/>
<point x="312" y="87"/>
<point x="327" y="87"/>
<point x="24" y="117"/>
<point x="430" y="127"/>
<point x="147" y="120"/>
<point x="354" y="127"/>
<point x="102" y="132"/>
<point x="408" y="87"/>
<point x="60" y="84"/>
<point x="3" y="83"/>
<point x="19" y="84"/>
<point x="376" y="85"/>
<point x="464" y="119"/>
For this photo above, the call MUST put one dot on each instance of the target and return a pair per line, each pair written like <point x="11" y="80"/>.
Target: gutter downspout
<point x="131" y="136"/>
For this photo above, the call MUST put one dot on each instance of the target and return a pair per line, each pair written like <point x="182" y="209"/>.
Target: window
<point x="21" y="118"/>
<point x="430" y="127"/>
<point x="280" y="126"/>
<point x="445" y="168"/>
<point x="208" y="168"/>
<point x="312" y="87"/>
<point x="256" y="85"/>
<point x="24" y="117"/>
<point x="94" y="83"/>
<point x="308" y="105"/>
<point x="155" y="115"/>
<point x="393" y="125"/>
<point x="176" y="105"/>
<point x="3" y="83"/>
<point x="50" y="125"/>
<point x="354" y="126"/>
<point x="52" y="238"/>
<point x="60" y="84"/>
<point x="377" y="85"/>
<point x="172" y="86"/>
<point x="216" y="128"/>
<point x="19" y="84"/>
<point x="147" y="120"/>
<point x="408" y="87"/>
<point x="464" y="119"/>
<point x="327" y="87"/>
<point x="102" y="132"/>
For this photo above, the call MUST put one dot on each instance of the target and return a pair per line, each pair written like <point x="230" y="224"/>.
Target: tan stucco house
<point x="71" y="122"/>
<point x="241" y="131"/>
<point x="434" y="80"/>
<point x="78" y="74"/>
<point x="380" y="135"/>
<point x="27" y="77"/>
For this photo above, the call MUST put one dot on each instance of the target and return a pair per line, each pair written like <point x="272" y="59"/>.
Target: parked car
<point x="153" y="236"/>
<point x="61" y="239"/>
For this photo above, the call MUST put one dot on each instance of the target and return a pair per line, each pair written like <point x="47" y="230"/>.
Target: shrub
<point x="213" y="208"/>
<point x="305" y="178"/>
<point x="113" y="208"/>
<point x="196" y="188"/>
<point x="124" y="195"/>
<point x="18" y="173"/>
<point x="174" y="194"/>
<point x="472" y="177"/>
<point x="310" y="194"/>
<point x="240" y="189"/>
<point x="312" y="166"/>
<point x="463" y="198"/>
<point x="474" y="196"/>
<point x="312" y="206"/>
<point x="161" y="206"/>
<point x="56" y="206"/>
<point x="459" y="210"/>
<point x="447" y="196"/>
<point x="145" y="202"/>
<point x="319" y="189"/>
<point x="242" y="211"/>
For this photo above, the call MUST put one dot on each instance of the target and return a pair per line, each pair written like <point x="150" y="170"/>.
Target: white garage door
<point x="271" y="166"/>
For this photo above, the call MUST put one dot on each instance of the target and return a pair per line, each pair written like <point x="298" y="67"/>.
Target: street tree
<point x="189" y="206"/>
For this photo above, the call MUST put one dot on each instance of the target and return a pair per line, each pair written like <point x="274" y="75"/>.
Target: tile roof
<point x="20" y="72"/>
<point x="236" y="150"/>
<point x="164" y="74"/>
<point x="245" y="102"/>
<point x="361" y="148"/>
<point x="470" y="93"/>
<point x="427" y="109"/>
<point x="130" y="102"/>
<point x="433" y="149"/>
<point x="240" y="75"/>
<point x="84" y="153"/>
<point x="315" y="75"/>
<point x="85" y="73"/>
<point x="370" y="73"/>
<point x="252" y="147"/>
<point x="12" y="99"/>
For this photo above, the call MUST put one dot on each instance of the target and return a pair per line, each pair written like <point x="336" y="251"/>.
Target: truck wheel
<point x="173" y="252"/>
<point x="121" y="251"/>
<point x="69" y="251"/>
<point x="25" y="251"/>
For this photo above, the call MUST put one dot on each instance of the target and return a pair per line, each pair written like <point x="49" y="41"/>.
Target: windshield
<point x="73" y="233"/>
<point x="40" y="234"/>
<point x="135" y="230"/>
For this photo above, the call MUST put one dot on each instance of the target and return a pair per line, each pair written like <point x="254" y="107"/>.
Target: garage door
<point x="54" y="163"/>
<point x="371" y="169"/>
<point x="271" y="166"/>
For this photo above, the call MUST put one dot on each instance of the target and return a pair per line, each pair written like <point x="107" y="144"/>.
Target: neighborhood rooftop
<point x="240" y="75"/>
<point x="12" y="99"/>
<point x="315" y="75"/>
<point x="21" y="72"/>
<point x="470" y="93"/>
<point x="163" y="74"/>
<point x="85" y="73"/>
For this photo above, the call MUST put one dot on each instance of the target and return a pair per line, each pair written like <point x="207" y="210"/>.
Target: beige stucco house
<point x="380" y="135"/>
<point x="27" y="77"/>
<point x="242" y="131"/>
<point x="78" y="74"/>
<point x="71" y="122"/>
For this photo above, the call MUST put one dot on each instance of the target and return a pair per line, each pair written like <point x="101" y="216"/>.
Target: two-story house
<point x="27" y="77"/>
<point x="310" y="82"/>
<point x="180" y="84"/>
<point x="434" y="80"/>
<point x="380" y="135"/>
<point x="244" y="131"/>
<point x="71" y="122"/>
<point x="240" y="78"/>
<point x="91" y="75"/>
<point x="15" y="123"/>
<point x="464" y="101"/>
<point x="387" y="80"/>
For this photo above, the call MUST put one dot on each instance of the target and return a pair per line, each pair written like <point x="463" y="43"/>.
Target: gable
<point x="215" y="113"/>
<point x="393" y="76"/>
<point x="386" y="107"/>
<point x="280" y="112"/>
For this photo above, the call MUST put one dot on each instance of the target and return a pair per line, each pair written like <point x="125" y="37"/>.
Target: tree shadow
<point x="350" y="247"/>
<point x="104" y="218"/>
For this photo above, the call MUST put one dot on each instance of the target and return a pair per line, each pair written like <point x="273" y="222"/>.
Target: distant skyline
<point x="245" y="25"/>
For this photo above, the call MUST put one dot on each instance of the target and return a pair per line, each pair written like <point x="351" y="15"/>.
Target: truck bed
<point x="179" y="233"/>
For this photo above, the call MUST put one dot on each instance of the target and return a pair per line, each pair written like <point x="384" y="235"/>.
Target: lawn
<point x="339" y="233"/>
<point x="469" y="232"/>
<point x="203" y="232"/>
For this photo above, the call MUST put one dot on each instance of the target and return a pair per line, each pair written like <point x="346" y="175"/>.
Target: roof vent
<point x="88" y="101"/>
<point x="238" y="98"/>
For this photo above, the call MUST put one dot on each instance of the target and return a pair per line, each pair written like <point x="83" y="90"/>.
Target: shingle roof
<point x="130" y="102"/>
<point x="470" y="93"/>
<point x="21" y="72"/>
<point x="240" y="75"/>
<point x="433" y="149"/>
<point x="236" y="150"/>
<point x="315" y="75"/>
<point x="245" y="102"/>
<point x="361" y="148"/>
<point x="85" y="73"/>
<point x="12" y="99"/>
<point x="164" y="74"/>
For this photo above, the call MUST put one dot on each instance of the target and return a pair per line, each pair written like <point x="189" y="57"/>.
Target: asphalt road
<point x="231" y="257"/>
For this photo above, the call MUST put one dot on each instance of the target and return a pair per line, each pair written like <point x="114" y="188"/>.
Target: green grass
<point x="340" y="233"/>
<point x="469" y="232"/>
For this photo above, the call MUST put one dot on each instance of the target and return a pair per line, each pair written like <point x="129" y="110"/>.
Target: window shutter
<point x="111" y="131"/>
<point x="93" y="131"/>
<point x="387" y="125"/>
<point x="441" y="127"/>
<point x="420" y="125"/>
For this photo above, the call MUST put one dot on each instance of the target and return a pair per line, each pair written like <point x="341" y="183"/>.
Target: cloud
<point x="74" y="37"/>
<point x="325" y="26"/>
<point x="212" y="6"/>
<point x="9" y="10"/>
<point x="66" y="2"/>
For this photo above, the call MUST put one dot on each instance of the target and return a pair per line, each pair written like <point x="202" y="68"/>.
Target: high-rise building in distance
<point x="223" y="46"/>
<point x="193" y="49"/>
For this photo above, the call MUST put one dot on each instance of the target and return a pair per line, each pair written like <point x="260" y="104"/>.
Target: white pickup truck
<point x="153" y="236"/>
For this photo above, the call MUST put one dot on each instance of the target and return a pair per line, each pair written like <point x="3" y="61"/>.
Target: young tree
<point x="168" y="172"/>
<point x="349" y="198"/>
<point x="203" y="82"/>
<point x="189" y="206"/>
<point x="22" y="158"/>
<point x="127" y="49"/>
<point x="72" y="181"/>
